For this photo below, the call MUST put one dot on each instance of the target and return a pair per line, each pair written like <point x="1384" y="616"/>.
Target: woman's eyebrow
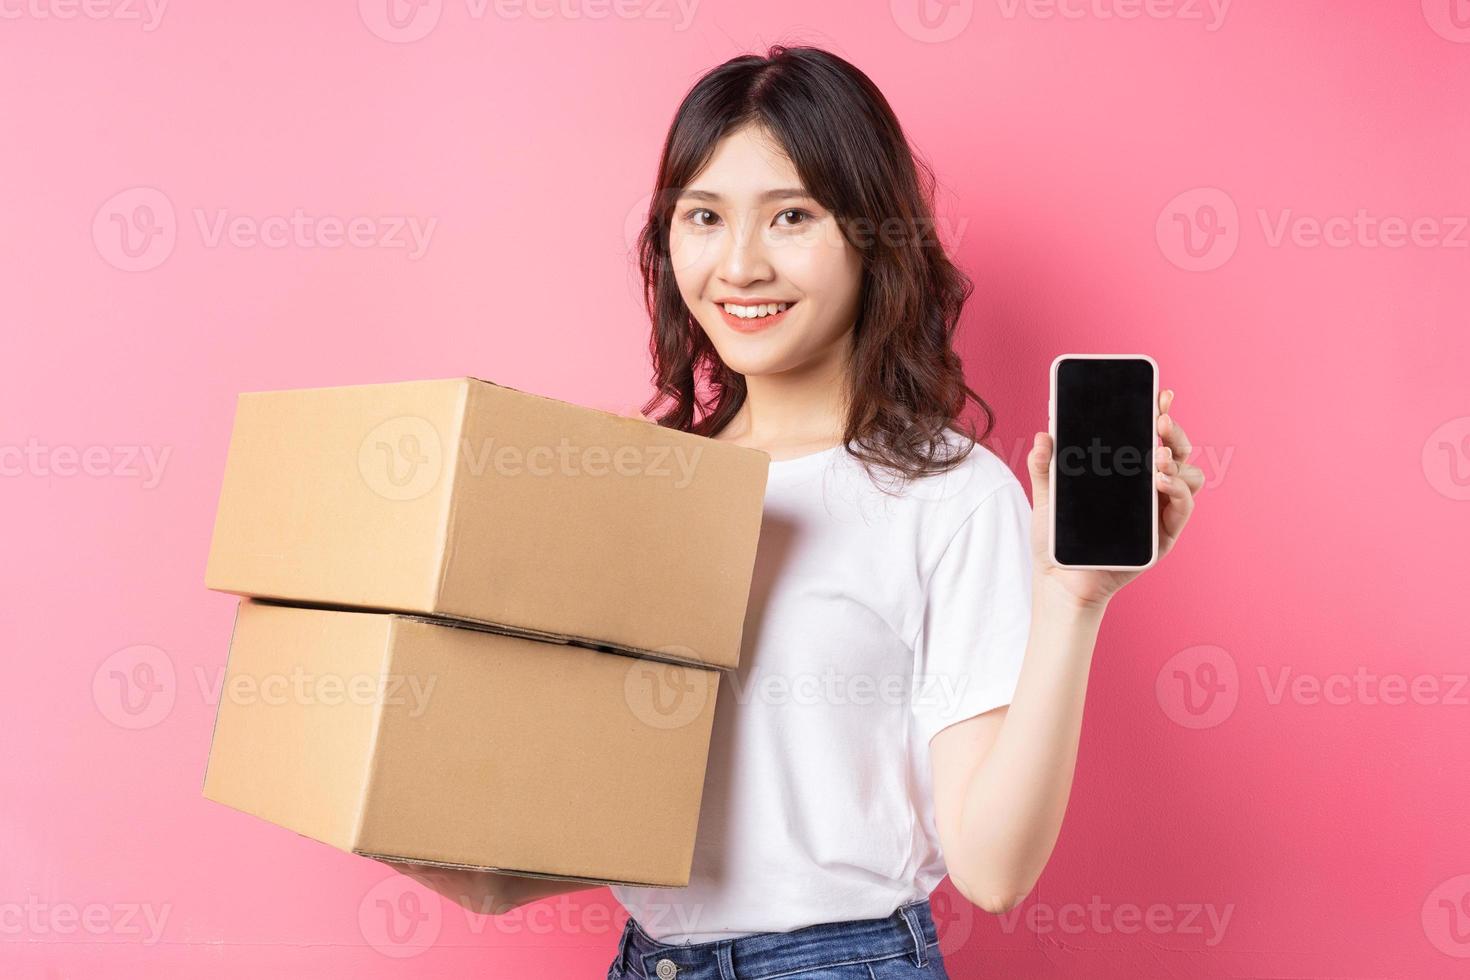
<point x="777" y="194"/>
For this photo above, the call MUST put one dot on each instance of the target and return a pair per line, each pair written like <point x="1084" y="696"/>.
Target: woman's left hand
<point x="1176" y="479"/>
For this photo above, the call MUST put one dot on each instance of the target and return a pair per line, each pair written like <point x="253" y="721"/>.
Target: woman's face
<point x="745" y="239"/>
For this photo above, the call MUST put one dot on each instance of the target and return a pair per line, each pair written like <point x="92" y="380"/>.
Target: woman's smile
<point x="754" y="314"/>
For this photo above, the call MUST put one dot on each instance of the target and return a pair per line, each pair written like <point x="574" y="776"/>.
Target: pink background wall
<point x="1222" y="825"/>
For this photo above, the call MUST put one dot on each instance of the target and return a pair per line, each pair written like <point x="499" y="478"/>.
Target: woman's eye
<point x="798" y="213"/>
<point x="696" y="216"/>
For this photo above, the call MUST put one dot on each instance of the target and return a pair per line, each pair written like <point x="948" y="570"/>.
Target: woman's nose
<point x="745" y="259"/>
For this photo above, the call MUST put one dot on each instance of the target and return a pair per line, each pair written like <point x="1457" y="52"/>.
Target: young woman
<point x="911" y="687"/>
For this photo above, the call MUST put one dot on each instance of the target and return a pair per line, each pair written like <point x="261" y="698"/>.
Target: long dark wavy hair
<point x="908" y="385"/>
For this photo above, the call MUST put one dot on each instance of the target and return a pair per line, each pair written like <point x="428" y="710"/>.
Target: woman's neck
<point x="794" y="412"/>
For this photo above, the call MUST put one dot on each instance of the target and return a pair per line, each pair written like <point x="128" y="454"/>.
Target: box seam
<point x="365" y="794"/>
<point x="214" y="730"/>
<point x="454" y="454"/>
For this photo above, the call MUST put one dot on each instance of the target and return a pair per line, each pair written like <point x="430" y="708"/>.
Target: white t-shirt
<point x="873" y="622"/>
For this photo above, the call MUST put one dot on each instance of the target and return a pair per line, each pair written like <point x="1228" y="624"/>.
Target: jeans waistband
<point x="907" y="931"/>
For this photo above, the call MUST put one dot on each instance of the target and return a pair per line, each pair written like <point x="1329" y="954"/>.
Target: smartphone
<point x="1104" y="416"/>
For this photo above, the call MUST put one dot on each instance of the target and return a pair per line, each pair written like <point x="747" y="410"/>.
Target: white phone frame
<point x="1051" y="425"/>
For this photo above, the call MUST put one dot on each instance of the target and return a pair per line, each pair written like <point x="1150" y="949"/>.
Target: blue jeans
<point x="902" y="946"/>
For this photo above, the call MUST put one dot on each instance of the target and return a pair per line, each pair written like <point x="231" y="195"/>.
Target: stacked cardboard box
<point x="491" y="619"/>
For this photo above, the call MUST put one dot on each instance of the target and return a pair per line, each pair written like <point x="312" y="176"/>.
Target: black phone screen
<point x="1104" y="485"/>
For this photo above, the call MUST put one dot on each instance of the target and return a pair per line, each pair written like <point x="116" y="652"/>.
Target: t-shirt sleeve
<point x="977" y="614"/>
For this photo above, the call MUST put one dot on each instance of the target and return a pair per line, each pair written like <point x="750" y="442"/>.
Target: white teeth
<point x="758" y="310"/>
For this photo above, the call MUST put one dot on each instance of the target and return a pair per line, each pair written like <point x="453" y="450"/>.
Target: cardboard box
<point x="469" y="500"/>
<point x="394" y="736"/>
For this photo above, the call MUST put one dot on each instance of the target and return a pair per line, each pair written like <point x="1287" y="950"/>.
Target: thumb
<point x="1038" y="461"/>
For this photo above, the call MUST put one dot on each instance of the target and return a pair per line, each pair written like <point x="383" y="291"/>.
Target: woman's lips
<point x="752" y="324"/>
